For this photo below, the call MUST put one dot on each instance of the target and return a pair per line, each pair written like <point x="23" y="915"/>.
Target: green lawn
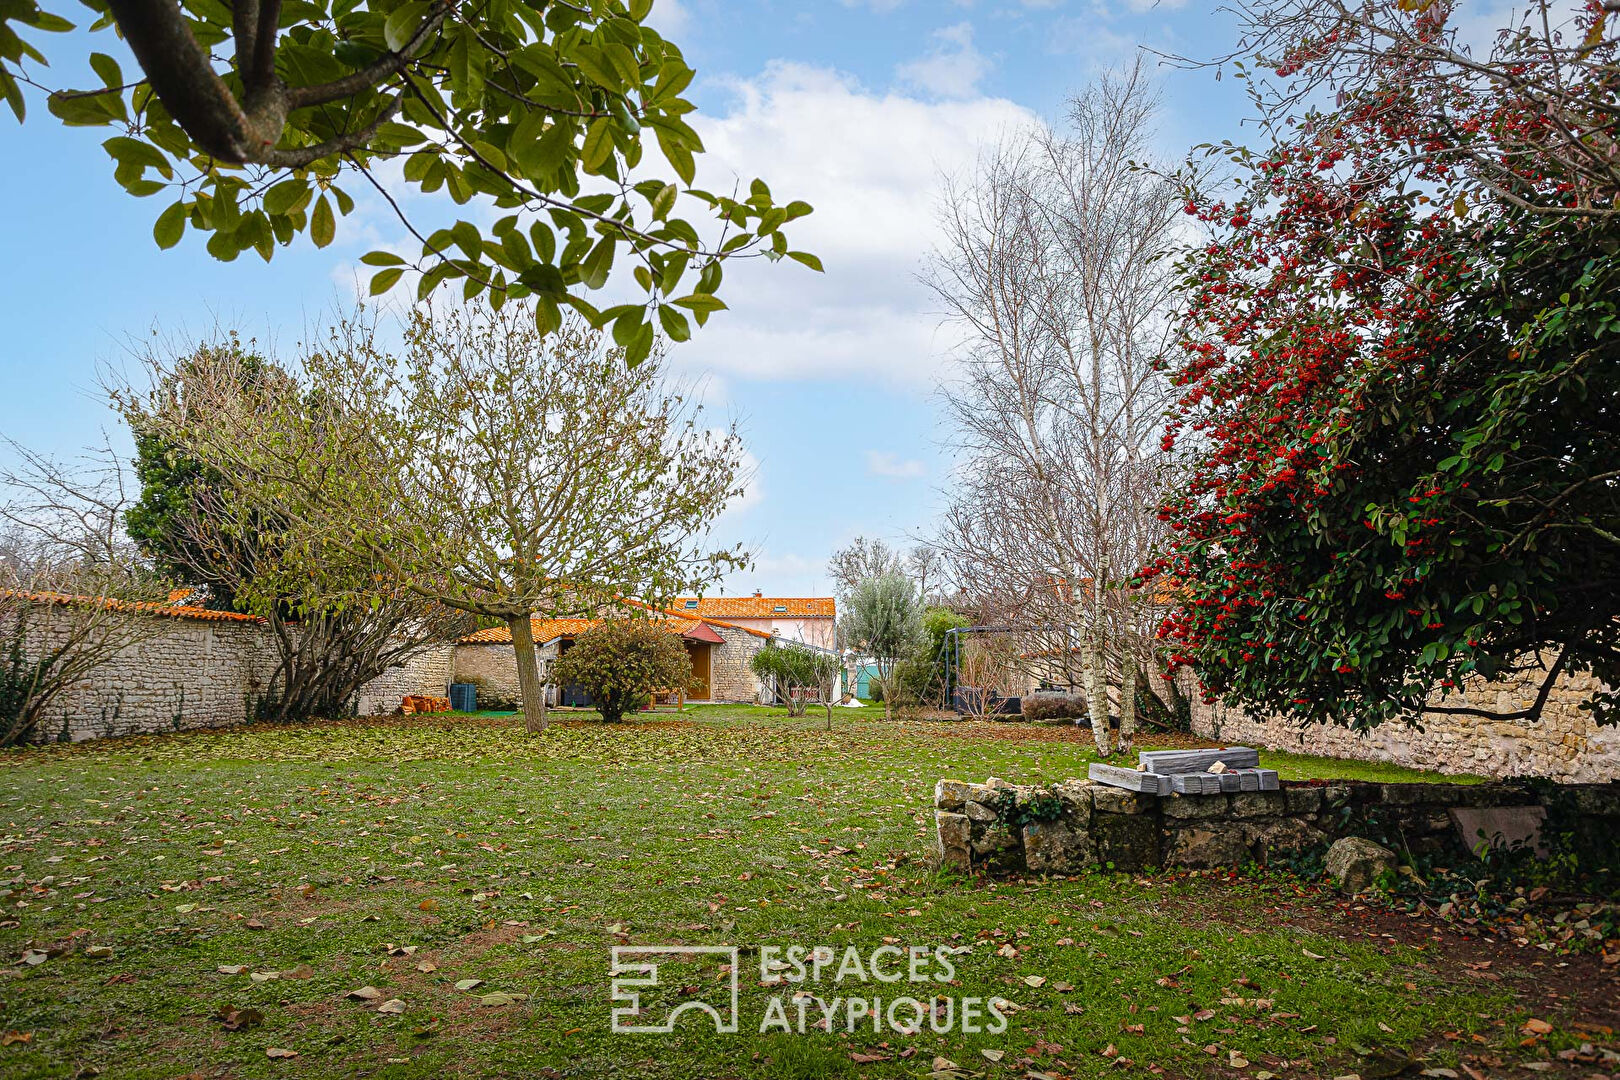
<point x="318" y="854"/>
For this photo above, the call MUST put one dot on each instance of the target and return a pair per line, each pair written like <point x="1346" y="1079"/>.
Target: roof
<point x="134" y="607"/>
<point x="758" y="607"/>
<point x="544" y="629"/>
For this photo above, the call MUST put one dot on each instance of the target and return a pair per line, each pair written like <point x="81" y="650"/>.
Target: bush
<point x="621" y="661"/>
<point x="1054" y="707"/>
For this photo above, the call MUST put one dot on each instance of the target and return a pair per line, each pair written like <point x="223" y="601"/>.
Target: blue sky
<point x="858" y="106"/>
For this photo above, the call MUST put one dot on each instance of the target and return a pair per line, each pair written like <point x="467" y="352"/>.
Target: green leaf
<point x="674" y="323"/>
<point x="381" y="258"/>
<point x="402" y="24"/>
<point x="322" y="226"/>
<point x="170" y="226"/>
<point x="287" y="196"/>
<point x="383" y="280"/>
<point x="703" y="303"/>
<point x="807" y="259"/>
<point x="107" y="68"/>
<point x="598" y="144"/>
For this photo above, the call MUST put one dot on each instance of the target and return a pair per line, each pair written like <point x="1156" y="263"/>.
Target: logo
<point x="636" y="973"/>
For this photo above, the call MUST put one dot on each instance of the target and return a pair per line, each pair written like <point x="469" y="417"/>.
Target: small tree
<point x="883" y="619"/>
<point x="794" y="669"/>
<point x="620" y="662"/>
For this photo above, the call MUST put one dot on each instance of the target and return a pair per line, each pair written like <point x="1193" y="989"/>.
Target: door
<point x="698" y="689"/>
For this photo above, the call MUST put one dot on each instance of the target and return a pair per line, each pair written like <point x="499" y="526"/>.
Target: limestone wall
<point x="730" y="677"/>
<point x="184" y="672"/>
<point x="427" y="672"/>
<point x="1075" y="825"/>
<point x="1563" y="745"/>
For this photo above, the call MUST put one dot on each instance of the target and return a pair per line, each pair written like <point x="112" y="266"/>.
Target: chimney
<point x="758" y="593"/>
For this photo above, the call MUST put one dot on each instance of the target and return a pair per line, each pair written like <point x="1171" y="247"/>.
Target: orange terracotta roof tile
<point x="134" y="607"/>
<point x="758" y="607"/>
<point x="545" y="630"/>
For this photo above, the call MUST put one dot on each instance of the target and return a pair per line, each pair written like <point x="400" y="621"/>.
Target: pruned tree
<point x="1051" y="268"/>
<point x="620" y="662"/>
<point x="71" y="583"/>
<point x="252" y="118"/>
<point x="490" y="469"/>
<point x="883" y="620"/>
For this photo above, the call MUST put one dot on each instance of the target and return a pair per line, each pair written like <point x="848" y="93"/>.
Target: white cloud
<point x="870" y="165"/>
<point x="671" y="18"/>
<point x="883" y="463"/>
<point x="952" y="67"/>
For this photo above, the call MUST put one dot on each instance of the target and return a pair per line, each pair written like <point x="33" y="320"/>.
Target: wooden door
<point x="699" y="690"/>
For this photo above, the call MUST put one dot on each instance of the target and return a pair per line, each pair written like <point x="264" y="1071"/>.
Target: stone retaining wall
<point x="1004" y="828"/>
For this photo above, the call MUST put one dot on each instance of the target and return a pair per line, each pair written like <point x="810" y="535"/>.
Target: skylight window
<point x="779" y="607"/>
<point x="691" y="604"/>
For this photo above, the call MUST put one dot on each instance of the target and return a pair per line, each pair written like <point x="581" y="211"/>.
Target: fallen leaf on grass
<point x="279" y="1052"/>
<point x="867" y="1059"/>
<point x="1312" y="956"/>
<point x="231" y="969"/>
<point x="99" y="952"/>
<point x="302" y="971"/>
<point x="34" y="956"/>
<point x="1204" y="1014"/>
<point x="393" y="1007"/>
<point x="500" y="997"/>
<point x="233" y="1019"/>
<point x="9" y="1037"/>
<point x="1236" y="1059"/>
<point x="427" y="966"/>
<point x="469" y="984"/>
<point x="1036" y="981"/>
<point x="429" y="904"/>
<point x="1534" y="1026"/>
<point x="366" y="993"/>
<point x="993" y="1055"/>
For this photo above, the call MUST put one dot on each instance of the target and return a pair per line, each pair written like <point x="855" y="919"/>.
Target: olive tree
<point x="793" y="669"/>
<point x="490" y="468"/>
<point x="883" y="619"/>
<point x="250" y="120"/>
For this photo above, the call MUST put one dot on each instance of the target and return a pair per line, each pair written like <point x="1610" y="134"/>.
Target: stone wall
<point x="1564" y="745"/>
<point x="184" y="672"/>
<point x="427" y="672"/>
<point x="730" y="677"/>
<point x="1005" y="828"/>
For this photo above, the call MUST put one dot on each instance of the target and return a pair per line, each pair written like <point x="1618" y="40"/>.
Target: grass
<point x="318" y="854"/>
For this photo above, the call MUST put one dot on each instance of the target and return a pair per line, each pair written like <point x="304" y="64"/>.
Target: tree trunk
<point x="1127" y="699"/>
<point x="1096" y="692"/>
<point x="529" y="684"/>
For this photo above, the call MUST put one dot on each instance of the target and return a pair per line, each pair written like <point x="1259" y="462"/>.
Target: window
<point x="691" y="605"/>
<point x="779" y="608"/>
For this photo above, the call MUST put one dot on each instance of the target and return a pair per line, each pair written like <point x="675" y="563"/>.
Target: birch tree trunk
<point x="1096" y="692"/>
<point x="1127" y="699"/>
<point x="530" y="687"/>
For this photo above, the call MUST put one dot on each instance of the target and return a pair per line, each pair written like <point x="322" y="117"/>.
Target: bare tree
<point x="1051" y="267"/>
<point x="490" y="469"/>
<point x="863" y="558"/>
<point x="71" y="583"/>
